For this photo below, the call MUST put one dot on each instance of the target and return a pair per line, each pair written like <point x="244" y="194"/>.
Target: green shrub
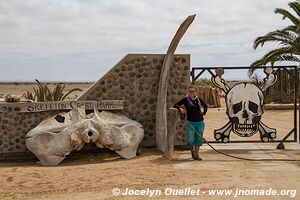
<point x="43" y="93"/>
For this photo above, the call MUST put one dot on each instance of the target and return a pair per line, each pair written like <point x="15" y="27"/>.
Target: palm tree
<point x="288" y="39"/>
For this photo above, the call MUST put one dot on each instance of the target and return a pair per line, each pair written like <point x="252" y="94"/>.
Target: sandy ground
<point x="94" y="177"/>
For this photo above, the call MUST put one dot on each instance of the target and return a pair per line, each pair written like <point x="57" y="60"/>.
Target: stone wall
<point x="15" y="125"/>
<point x="134" y="79"/>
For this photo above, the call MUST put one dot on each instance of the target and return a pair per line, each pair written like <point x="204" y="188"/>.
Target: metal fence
<point x="287" y="84"/>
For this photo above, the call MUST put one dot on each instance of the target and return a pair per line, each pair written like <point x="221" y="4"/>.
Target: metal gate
<point x="197" y="72"/>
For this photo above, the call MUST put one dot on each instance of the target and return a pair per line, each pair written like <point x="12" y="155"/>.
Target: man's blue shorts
<point x="192" y="138"/>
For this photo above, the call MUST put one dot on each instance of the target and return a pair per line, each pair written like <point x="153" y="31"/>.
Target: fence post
<point x="171" y="133"/>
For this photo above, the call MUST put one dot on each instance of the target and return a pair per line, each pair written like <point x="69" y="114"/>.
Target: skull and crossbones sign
<point x="244" y="102"/>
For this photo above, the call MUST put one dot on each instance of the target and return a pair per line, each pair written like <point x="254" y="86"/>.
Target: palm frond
<point x="282" y="37"/>
<point x="291" y="28"/>
<point x="274" y="55"/>
<point x="254" y="66"/>
<point x="295" y="6"/>
<point x="290" y="58"/>
<point x="280" y="54"/>
<point x="287" y="14"/>
<point x="288" y="38"/>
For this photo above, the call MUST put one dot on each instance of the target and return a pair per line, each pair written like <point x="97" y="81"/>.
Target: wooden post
<point x="171" y="134"/>
<point x="161" y="105"/>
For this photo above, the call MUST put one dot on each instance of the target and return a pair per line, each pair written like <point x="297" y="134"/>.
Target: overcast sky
<point x="80" y="40"/>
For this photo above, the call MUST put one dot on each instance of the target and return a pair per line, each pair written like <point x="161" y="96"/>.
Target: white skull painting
<point x="244" y="103"/>
<point x="244" y="108"/>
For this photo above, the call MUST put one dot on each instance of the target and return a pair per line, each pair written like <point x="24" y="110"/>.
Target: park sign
<point x="68" y="105"/>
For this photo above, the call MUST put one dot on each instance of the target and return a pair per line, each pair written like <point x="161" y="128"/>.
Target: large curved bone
<point x="51" y="141"/>
<point x="118" y="133"/>
<point x="161" y="106"/>
<point x="51" y="148"/>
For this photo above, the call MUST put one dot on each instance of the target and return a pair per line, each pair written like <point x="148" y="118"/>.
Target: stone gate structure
<point x="134" y="79"/>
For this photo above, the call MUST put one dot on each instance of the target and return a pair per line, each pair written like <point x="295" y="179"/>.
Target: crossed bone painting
<point x="244" y="108"/>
